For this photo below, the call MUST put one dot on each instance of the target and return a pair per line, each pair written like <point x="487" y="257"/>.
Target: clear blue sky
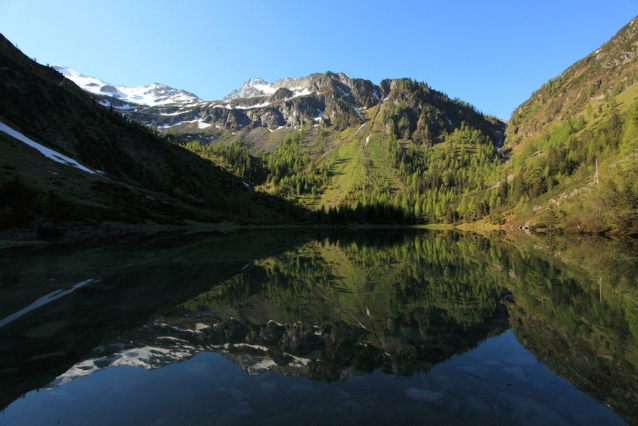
<point x="493" y="54"/>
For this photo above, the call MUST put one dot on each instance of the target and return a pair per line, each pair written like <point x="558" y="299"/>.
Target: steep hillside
<point x="574" y="144"/>
<point x="141" y="176"/>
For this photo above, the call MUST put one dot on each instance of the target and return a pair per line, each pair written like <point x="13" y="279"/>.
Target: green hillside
<point x="574" y="143"/>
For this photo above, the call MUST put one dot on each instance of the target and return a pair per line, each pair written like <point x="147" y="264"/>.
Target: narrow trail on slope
<point x="374" y="120"/>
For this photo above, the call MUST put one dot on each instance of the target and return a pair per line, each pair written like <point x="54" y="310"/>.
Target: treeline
<point x="437" y="178"/>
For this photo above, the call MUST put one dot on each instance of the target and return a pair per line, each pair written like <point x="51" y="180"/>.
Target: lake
<point x="382" y="327"/>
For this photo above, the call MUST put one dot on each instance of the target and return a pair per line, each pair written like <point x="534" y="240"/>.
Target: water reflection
<point x="418" y="321"/>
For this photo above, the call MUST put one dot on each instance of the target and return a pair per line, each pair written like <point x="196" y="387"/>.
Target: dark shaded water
<point x="320" y="328"/>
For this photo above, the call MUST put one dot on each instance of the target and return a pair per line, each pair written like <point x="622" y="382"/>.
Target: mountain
<point x="333" y="141"/>
<point x="54" y="138"/>
<point x="332" y="99"/>
<point x="151" y="95"/>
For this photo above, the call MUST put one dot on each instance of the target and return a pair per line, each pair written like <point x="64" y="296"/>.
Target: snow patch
<point x="262" y="86"/>
<point x="342" y="91"/>
<point x="304" y="92"/>
<point x="200" y="124"/>
<point x="124" y="107"/>
<point x="166" y="114"/>
<point x="49" y="153"/>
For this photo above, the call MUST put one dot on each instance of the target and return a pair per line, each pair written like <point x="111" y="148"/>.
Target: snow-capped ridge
<point x="152" y="95"/>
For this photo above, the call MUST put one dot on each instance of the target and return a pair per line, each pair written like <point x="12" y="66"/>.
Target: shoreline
<point x="26" y="237"/>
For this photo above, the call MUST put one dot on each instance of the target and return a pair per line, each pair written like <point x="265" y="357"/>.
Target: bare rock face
<point x="108" y="89"/>
<point x="281" y="94"/>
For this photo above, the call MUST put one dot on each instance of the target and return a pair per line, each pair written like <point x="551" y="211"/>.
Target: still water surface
<point x="320" y="328"/>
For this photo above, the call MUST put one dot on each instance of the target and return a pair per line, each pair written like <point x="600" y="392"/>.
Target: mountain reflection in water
<point x="389" y="326"/>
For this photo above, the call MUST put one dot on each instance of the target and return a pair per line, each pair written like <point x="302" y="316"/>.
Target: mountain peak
<point x="253" y="88"/>
<point x="255" y="82"/>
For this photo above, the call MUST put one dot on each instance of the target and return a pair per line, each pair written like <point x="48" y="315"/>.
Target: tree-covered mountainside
<point x="140" y="175"/>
